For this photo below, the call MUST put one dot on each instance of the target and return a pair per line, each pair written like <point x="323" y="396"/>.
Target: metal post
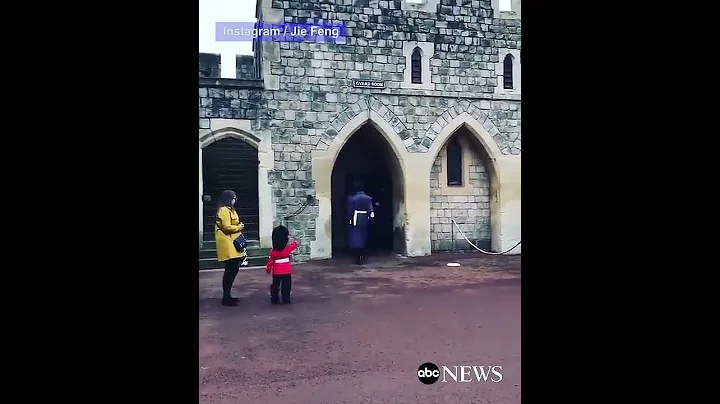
<point x="452" y="233"/>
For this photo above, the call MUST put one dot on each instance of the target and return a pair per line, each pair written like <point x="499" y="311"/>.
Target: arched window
<point x="508" y="72"/>
<point x="416" y="67"/>
<point x="454" y="162"/>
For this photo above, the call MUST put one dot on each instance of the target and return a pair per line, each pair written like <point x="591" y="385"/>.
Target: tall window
<point x="416" y="67"/>
<point x="508" y="72"/>
<point x="454" y="162"/>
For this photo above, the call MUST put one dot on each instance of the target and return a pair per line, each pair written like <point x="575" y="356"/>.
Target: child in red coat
<point x="279" y="265"/>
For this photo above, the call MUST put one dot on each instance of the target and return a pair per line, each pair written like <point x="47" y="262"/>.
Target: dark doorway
<point x="231" y="164"/>
<point x="379" y="186"/>
<point x="367" y="156"/>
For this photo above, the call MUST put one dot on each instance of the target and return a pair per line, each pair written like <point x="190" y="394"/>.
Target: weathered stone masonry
<point x="469" y="206"/>
<point x="314" y="98"/>
<point x="210" y="66"/>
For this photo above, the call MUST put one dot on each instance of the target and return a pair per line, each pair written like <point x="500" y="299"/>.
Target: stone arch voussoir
<point x="362" y="106"/>
<point x="229" y="132"/>
<point x="507" y="143"/>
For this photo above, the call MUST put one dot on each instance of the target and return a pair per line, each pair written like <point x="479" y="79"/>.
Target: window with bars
<point x="508" y="72"/>
<point x="416" y="66"/>
<point x="454" y="162"/>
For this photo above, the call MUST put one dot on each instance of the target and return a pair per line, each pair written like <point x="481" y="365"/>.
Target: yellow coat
<point x="229" y="221"/>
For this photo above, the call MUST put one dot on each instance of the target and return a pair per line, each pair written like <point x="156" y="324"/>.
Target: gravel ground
<point x="357" y="334"/>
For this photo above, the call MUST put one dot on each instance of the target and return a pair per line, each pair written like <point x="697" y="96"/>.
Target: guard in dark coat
<point x="359" y="212"/>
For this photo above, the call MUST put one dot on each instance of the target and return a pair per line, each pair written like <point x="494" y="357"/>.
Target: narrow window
<point x="415" y="66"/>
<point x="508" y="72"/>
<point x="454" y="162"/>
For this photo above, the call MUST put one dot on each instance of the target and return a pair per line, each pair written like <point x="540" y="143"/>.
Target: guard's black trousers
<point x="281" y="283"/>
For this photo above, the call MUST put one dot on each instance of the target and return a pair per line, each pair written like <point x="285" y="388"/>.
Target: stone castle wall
<point x="314" y="97"/>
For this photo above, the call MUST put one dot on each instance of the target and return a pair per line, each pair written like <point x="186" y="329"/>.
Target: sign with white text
<point x="368" y="84"/>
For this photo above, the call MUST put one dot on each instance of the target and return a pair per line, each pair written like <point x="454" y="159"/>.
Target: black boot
<point x="229" y="301"/>
<point x="231" y="270"/>
<point x="228" y="297"/>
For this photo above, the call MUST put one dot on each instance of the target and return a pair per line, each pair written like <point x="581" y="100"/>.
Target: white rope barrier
<point x="478" y="248"/>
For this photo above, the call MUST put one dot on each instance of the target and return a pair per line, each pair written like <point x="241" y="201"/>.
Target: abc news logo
<point x="430" y="373"/>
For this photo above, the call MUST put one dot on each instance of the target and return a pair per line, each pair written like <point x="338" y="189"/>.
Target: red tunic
<point x="279" y="261"/>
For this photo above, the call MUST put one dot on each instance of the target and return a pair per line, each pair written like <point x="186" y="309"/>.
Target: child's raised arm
<point x="292" y="246"/>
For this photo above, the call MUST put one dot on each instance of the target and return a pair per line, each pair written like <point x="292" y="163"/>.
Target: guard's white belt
<point x="282" y="260"/>
<point x="355" y="216"/>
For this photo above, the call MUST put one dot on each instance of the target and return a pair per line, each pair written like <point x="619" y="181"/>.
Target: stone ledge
<point x="456" y="94"/>
<point x="258" y="84"/>
<point x="509" y="15"/>
<point x="231" y="83"/>
<point x="504" y="96"/>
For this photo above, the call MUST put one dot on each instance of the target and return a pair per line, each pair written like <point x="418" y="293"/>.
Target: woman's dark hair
<point x="226" y="199"/>
<point x="280" y="238"/>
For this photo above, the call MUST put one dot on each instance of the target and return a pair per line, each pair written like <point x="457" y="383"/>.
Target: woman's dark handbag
<point x="240" y="243"/>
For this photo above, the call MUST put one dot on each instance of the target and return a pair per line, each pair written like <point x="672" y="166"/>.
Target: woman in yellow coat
<point x="228" y="227"/>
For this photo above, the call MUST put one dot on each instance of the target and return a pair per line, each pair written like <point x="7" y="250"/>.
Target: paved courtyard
<point x="358" y="334"/>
